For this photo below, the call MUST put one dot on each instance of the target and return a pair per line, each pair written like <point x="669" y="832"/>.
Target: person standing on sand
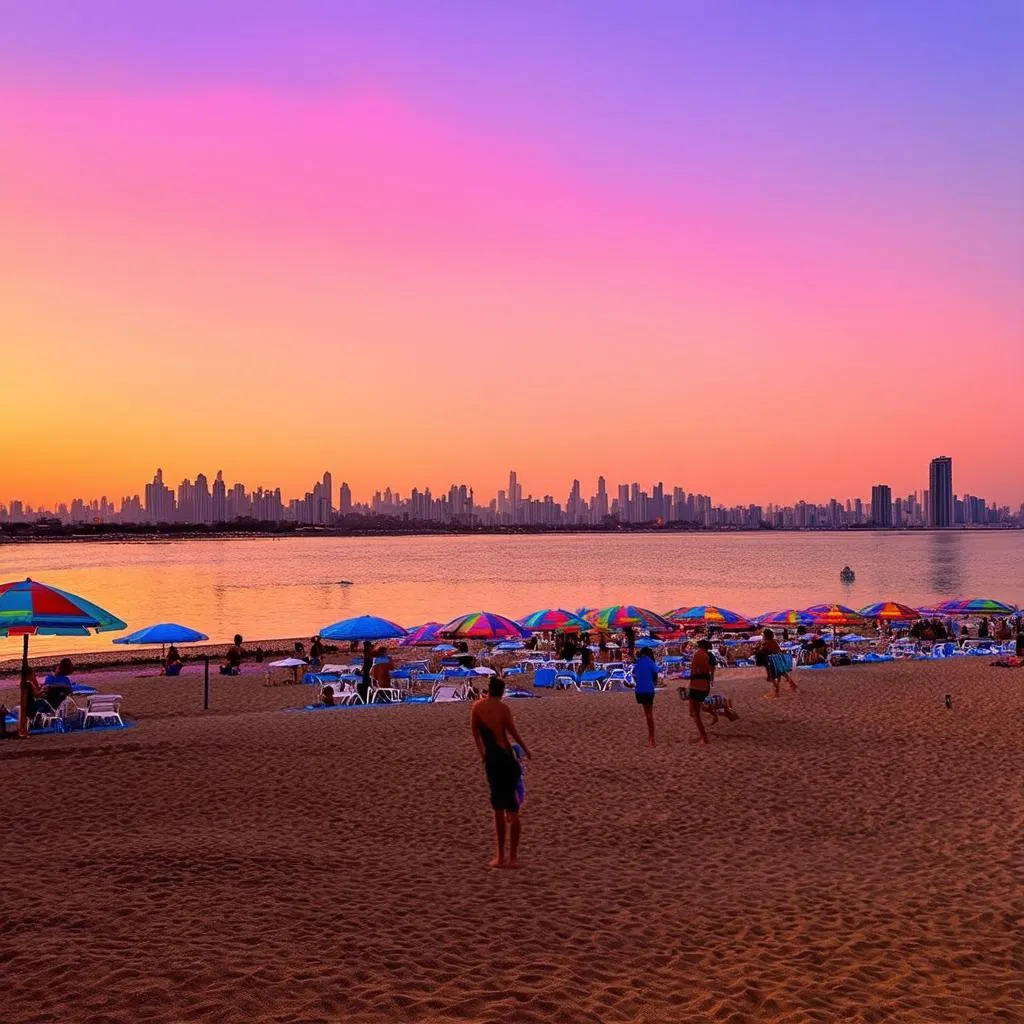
<point x="700" y="685"/>
<point x="629" y="634"/>
<point x="492" y="725"/>
<point x="363" y="686"/>
<point x="645" y="678"/>
<point x="775" y="662"/>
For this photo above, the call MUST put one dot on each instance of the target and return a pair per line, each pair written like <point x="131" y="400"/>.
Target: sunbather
<point x="714" y="704"/>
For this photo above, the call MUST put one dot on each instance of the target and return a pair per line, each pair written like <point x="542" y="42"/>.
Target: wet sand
<point x="849" y="853"/>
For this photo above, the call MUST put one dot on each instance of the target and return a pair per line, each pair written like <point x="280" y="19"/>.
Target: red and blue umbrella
<point x="619" y="616"/>
<point x="707" y="615"/>
<point x="787" y="618"/>
<point x="890" y="611"/>
<point x="422" y="636"/>
<point x="834" y="615"/>
<point x="28" y="608"/>
<point x="975" y="606"/>
<point x="483" y="626"/>
<point x="549" y="619"/>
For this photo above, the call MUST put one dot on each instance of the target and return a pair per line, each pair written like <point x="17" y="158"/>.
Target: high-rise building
<point x="940" y="492"/>
<point x="881" y="505"/>
<point x="345" y="499"/>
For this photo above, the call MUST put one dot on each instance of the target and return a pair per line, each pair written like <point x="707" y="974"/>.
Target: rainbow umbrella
<point x="28" y="608"/>
<point x="482" y="626"/>
<point x="707" y="615"/>
<point x="788" y="618"/>
<point x="890" y="611"/>
<point x="834" y="615"/>
<point x="975" y="606"/>
<point x="619" y="616"/>
<point x="422" y="636"/>
<point x="549" y="619"/>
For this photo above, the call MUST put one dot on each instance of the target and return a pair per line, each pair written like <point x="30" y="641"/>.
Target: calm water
<point x="282" y="588"/>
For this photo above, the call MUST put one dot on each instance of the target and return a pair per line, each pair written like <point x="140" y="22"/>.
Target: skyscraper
<point x="881" y="505"/>
<point x="940" y="491"/>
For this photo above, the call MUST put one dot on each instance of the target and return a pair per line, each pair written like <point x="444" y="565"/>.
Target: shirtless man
<point x="491" y="721"/>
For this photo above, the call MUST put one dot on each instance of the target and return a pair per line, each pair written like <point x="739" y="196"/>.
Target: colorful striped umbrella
<point x="483" y="626"/>
<point x="548" y="619"/>
<point x="422" y="636"/>
<point x="834" y="615"/>
<point x="619" y="616"/>
<point x="28" y="608"/>
<point x="705" y="615"/>
<point x="975" y="606"/>
<point x="890" y="611"/>
<point x="788" y="618"/>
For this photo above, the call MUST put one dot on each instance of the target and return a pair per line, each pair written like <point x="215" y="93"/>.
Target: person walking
<point x="776" y="663"/>
<point x="645" y="679"/>
<point x="700" y="685"/>
<point x="493" y="732"/>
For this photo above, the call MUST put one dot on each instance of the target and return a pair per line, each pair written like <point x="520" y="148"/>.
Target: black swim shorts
<point x="698" y="695"/>
<point x="645" y="698"/>
<point x="503" y="774"/>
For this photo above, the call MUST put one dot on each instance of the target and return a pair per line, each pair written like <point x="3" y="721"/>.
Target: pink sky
<point x="236" y="276"/>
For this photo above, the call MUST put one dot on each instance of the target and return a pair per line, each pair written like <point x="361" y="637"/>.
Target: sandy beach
<point x="849" y="853"/>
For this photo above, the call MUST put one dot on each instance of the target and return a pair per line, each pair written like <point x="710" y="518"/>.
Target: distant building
<point x="940" y="493"/>
<point x="881" y="505"/>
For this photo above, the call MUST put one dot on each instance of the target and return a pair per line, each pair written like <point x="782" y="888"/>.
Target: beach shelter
<point x="619" y="616"/>
<point x="975" y="606"/>
<point x="163" y="633"/>
<point x="293" y="663"/>
<point x="28" y="608"/>
<point x="834" y="616"/>
<point x="709" y="616"/>
<point x="483" y="626"/>
<point x="421" y="636"/>
<point x="365" y="628"/>
<point x="890" y="611"/>
<point x="550" y="619"/>
<point x="787" y="618"/>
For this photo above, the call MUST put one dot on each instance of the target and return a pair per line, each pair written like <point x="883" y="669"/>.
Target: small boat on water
<point x="344" y="583"/>
<point x="847" y="575"/>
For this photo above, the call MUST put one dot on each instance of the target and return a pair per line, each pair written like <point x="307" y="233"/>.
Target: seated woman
<point x="33" y="702"/>
<point x="57" y="686"/>
<point x="172" y="663"/>
<point x="233" y="662"/>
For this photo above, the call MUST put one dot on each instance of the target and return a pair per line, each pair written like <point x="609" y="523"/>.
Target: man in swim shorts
<point x="645" y="678"/>
<point x="492" y="725"/>
<point x="700" y="685"/>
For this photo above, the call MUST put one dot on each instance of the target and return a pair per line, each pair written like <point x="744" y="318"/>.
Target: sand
<point x="851" y="853"/>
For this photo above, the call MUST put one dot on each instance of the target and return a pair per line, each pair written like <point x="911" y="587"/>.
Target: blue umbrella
<point x="163" y="633"/>
<point x="363" y="627"/>
<point x="648" y="641"/>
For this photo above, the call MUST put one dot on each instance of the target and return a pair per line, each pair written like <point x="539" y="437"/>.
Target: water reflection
<point x="945" y="562"/>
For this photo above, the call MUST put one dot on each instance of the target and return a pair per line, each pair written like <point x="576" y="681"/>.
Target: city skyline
<point x="199" y="501"/>
<point x="715" y="242"/>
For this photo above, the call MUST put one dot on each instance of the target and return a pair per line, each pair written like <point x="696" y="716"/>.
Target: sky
<point x="759" y="250"/>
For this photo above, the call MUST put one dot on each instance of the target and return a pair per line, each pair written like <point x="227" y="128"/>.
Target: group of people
<point x="48" y="697"/>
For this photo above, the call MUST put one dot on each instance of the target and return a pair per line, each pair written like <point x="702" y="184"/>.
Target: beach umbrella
<point x="363" y="627"/>
<point x="890" y="611"/>
<point x="619" y="616"/>
<point x="163" y="633"/>
<point x="787" y="618"/>
<point x="483" y="626"/>
<point x="549" y="619"/>
<point x="707" y="615"/>
<point x="421" y="636"/>
<point x="834" y="615"/>
<point x="975" y="606"/>
<point x="293" y="663"/>
<point x="649" y="641"/>
<point x="28" y="608"/>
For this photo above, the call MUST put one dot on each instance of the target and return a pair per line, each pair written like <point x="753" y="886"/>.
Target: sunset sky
<point x="762" y="250"/>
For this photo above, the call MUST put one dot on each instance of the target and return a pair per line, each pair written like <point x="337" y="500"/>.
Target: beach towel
<point x="780" y="664"/>
<point x="521" y="784"/>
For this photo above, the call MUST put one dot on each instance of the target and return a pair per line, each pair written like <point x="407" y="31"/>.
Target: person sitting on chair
<point x="233" y="662"/>
<point x="58" y="686"/>
<point x="172" y="663"/>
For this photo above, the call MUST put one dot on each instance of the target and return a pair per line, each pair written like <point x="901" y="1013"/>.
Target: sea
<point x="269" y="588"/>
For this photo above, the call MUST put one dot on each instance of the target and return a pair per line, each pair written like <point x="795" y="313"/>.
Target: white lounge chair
<point x="103" y="709"/>
<point x="449" y="691"/>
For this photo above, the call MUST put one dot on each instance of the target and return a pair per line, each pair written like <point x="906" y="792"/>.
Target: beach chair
<point x="593" y="679"/>
<point x="45" y="716"/>
<point x="565" y="680"/>
<point x="448" y="692"/>
<point x="384" y="694"/>
<point x="544" y="678"/>
<point x="620" y="678"/>
<point x="103" y="709"/>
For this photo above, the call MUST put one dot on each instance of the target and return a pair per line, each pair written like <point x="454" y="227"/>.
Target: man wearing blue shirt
<point x="645" y="677"/>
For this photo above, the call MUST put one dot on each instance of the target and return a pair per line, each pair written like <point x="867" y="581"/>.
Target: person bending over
<point x="492" y="725"/>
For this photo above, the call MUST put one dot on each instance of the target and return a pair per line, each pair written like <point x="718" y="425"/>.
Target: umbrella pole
<point x="24" y="659"/>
